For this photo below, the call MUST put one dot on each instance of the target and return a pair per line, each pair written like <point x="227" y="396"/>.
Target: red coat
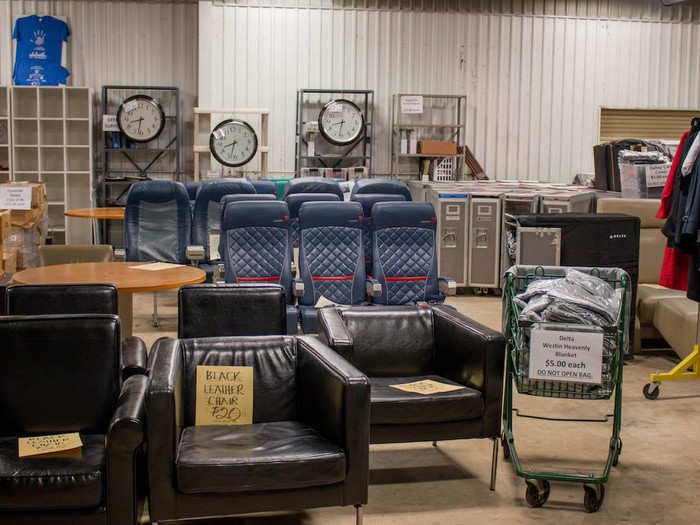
<point x="674" y="270"/>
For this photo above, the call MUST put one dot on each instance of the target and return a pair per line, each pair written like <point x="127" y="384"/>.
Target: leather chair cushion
<point x="648" y="298"/>
<point x="46" y="299"/>
<point x="395" y="407"/>
<point x="652" y="244"/>
<point x="676" y="319"/>
<point x="279" y="455"/>
<point x="390" y="342"/>
<point x="52" y="483"/>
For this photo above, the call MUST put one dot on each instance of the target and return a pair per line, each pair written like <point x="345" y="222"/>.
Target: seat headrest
<point x="391" y="186"/>
<point x="157" y="191"/>
<point x="370" y="199"/>
<point x="314" y="214"/>
<point x="396" y="214"/>
<point x="313" y="185"/>
<point x="192" y="187"/>
<point x="264" y="186"/>
<point x="252" y="213"/>
<point x="238" y="197"/>
<point x="213" y="190"/>
<point x="295" y="200"/>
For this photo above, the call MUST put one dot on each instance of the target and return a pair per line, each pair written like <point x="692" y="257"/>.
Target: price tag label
<point x="15" y="197"/>
<point x="224" y="395"/>
<point x="335" y="108"/>
<point x="36" y="445"/>
<point x="657" y="174"/>
<point x="412" y="104"/>
<point x="132" y="104"/>
<point x="109" y="123"/>
<point x="558" y="355"/>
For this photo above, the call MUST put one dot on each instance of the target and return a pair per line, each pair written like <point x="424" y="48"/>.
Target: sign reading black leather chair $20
<point x="224" y="395"/>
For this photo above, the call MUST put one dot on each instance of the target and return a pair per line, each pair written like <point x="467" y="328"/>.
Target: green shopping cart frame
<point x="517" y="350"/>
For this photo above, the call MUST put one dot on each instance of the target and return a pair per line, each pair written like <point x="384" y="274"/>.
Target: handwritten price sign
<point x="224" y="395"/>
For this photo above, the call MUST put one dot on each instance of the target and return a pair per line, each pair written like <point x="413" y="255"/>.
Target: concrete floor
<point x="656" y="480"/>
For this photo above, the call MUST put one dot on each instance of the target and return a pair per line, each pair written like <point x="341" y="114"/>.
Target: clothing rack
<point x="688" y="368"/>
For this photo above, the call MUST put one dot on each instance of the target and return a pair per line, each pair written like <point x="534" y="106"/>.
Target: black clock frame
<point x="151" y="100"/>
<point x="337" y="142"/>
<point x="212" y="138"/>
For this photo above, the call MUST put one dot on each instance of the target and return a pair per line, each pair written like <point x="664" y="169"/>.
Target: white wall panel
<point x="535" y="72"/>
<point x="121" y="42"/>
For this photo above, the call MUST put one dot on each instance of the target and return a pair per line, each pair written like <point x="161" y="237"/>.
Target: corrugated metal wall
<point x="535" y="72"/>
<point x="121" y="42"/>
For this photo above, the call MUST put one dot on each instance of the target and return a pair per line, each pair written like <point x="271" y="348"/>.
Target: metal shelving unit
<point x="129" y="163"/>
<point x="5" y="151"/>
<point x="442" y="118"/>
<point x="359" y="154"/>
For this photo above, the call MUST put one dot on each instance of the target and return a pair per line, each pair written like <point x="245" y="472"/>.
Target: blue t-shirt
<point x="31" y="73"/>
<point x="40" y="38"/>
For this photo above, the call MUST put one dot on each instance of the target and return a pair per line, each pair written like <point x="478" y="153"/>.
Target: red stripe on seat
<point x="247" y="279"/>
<point x="334" y="278"/>
<point x="406" y="278"/>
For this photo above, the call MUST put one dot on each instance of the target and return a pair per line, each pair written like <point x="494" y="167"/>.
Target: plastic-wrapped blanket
<point x="575" y="298"/>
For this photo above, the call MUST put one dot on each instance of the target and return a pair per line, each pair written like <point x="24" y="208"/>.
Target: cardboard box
<point x="4" y="224"/>
<point x="38" y="190"/>
<point x="437" y="147"/>
<point x="9" y="259"/>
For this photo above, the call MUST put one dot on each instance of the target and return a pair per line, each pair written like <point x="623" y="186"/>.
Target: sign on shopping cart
<point x="566" y="355"/>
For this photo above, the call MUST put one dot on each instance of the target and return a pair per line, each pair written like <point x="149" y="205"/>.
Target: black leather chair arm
<point x="332" y="330"/>
<point x="133" y="357"/>
<point x="124" y="460"/>
<point x="474" y="355"/>
<point x="164" y="411"/>
<point x="334" y="399"/>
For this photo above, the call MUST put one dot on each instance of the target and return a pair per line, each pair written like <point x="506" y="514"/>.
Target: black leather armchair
<point x="61" y="374"/>
<point x="403" y="344"/>
<point x="47" y="299"/>
<point x="308" y="445"/>
<point x="214" y="310"/>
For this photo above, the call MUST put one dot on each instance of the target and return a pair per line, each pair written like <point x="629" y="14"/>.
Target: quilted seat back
<point x="255" y="243"/>
<point x="157" y="222"/>
<point x="206" y="220"/>
<point x="331" y="257"/>
<point x="405" y="258"/>
<point x="368" y="200"/>
<point x="295" y="200"/>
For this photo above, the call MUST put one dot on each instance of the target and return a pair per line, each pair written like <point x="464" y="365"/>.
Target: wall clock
<point x="233" y="142"/>
<point x="140" y="118"/>
<point x="341" y="122"/>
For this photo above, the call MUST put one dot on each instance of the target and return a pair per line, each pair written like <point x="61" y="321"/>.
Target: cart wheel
<point x="504" y="446"/>
<point x="651" y="390"/>
<point x="537" y="492"/>
<point x="618" y="452"/>
<point x="593" y="497"/>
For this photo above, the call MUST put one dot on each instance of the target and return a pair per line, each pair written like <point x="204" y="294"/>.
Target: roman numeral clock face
<point x="140" y="118"/>
<point x="341" y="122"/>
<point x="233" y="143"/>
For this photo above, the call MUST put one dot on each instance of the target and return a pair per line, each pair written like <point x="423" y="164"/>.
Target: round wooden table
<point x="113" y="213"/>
<point x="122" y="275"/>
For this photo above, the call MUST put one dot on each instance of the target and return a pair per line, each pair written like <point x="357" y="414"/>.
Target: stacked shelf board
<point x="206" y="119"/>
<point x="5" y="156"/>
<point x="52" y="142"/>
<point x="442" y="118"/>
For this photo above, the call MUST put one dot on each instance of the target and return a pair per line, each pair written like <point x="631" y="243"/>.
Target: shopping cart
<point x="518" y="337"/>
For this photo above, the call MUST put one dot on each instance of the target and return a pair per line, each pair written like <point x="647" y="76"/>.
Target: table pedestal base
<point x="126" y="314"/>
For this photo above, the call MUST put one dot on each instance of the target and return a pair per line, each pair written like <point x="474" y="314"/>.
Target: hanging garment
<point x="689" y="161"/>
<point x="666" y="196"/>
<point x="674" y="222"/>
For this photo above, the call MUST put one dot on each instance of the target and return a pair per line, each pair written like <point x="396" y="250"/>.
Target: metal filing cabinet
<point x="452" y="210"/>
<point x="484" y="239"/>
